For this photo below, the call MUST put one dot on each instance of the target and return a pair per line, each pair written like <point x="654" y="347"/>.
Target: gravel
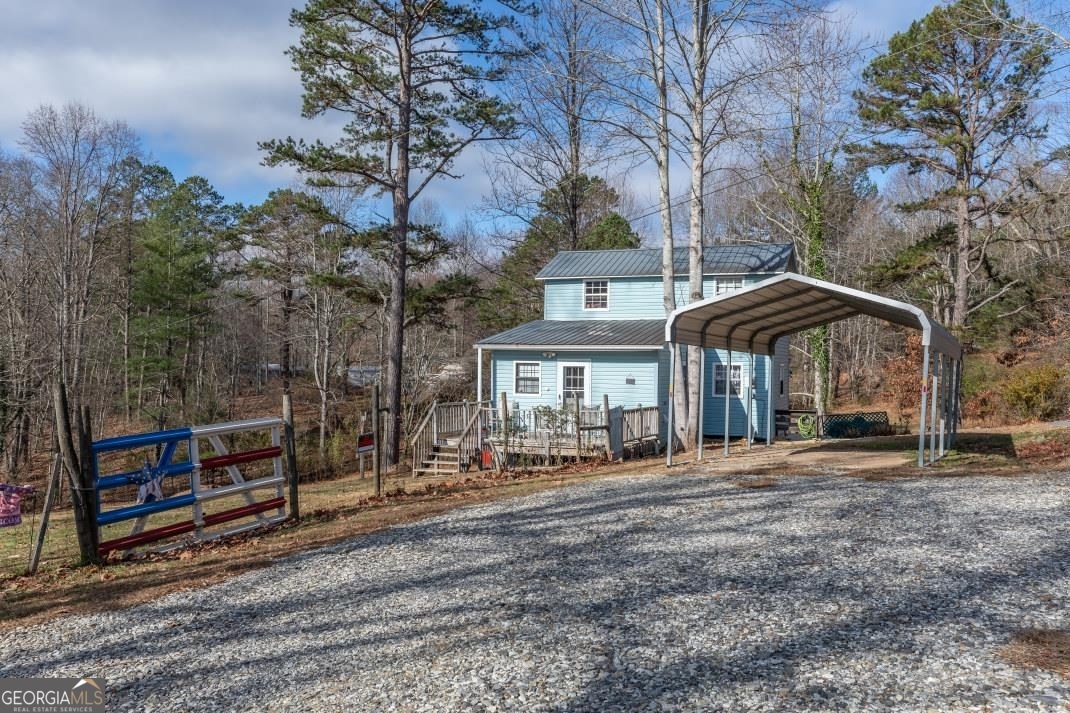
<point x="653" y="593"/>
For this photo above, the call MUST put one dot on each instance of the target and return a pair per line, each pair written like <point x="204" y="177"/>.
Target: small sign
<point x="11" y="503"/>
<point x="365" y="443"/>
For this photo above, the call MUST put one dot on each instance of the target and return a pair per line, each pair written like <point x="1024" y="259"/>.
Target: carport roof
<point x="754" y="318"/>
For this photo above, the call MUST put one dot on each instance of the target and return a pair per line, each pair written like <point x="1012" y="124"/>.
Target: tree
<point x="78" y="160"/>
<point x="175" y="277"/>
<point x="815" y="59"/>
<point x="560" y="95"/>
<point x="516" y="296"/>
<point x="410" y="75"/>
<point x="956" y="93"/>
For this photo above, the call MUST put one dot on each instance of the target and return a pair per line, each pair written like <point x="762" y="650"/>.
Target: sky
<point x="201" y="81"/>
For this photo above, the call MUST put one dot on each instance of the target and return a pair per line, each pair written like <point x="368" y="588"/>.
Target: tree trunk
<point x="962" y="258"/>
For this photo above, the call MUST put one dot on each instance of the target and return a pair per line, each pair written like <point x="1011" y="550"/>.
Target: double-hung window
<point x="718" y="378"/>
<point x="596" y="294"/>
<point x="527" y="377"/>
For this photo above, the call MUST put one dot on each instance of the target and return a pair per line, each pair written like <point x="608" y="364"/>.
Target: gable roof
<point x="603" y="334"/>
<point x="646" y="262"/>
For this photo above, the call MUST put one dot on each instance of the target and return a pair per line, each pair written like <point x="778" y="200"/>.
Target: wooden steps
<point x="444" y="459"/>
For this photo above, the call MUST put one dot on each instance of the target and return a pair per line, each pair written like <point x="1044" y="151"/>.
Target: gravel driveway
<point x="656" y="593"/>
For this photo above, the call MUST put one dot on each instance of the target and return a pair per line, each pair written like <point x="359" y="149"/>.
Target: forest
<point x="933" y="168"/>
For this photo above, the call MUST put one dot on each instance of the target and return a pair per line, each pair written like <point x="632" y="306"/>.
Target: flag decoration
<point x="11" y="503"/>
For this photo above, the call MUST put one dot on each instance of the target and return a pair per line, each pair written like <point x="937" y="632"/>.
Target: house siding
<point x="629" y="297"/>
<point x="608" y="373"/>
<point x="635" y="296"/>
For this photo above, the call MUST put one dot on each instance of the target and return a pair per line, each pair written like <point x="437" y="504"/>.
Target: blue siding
<point x="503" y="370"/>
<point x="629" y="297"/>
<point x="713" y="405"/>
<point x="609" y="374"/>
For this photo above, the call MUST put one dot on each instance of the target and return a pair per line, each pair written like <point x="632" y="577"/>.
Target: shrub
<point x="1037" y="393"/>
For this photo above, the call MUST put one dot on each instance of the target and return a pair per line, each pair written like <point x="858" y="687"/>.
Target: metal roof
<point x="603" y="334"/>
<point x="646" y="262"/>
<point x="752" y="319"/>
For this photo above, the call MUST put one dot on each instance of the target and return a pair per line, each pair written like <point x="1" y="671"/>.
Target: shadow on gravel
<point x="781" y="577"/>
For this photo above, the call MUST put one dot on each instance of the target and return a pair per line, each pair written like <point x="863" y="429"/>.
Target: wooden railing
<point x="470" y="426"/>
<point x="448" y="421"/>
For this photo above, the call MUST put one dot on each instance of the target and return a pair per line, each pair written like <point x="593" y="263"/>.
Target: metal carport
<point x="755" y="317"/>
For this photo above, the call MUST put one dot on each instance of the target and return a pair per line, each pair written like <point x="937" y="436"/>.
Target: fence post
<point x="605" y="417"/>
<point x="291" y="454"/>
<point x="50" y="501"/>
<point x="579" y="438"/>
<point x="377" y="482"/>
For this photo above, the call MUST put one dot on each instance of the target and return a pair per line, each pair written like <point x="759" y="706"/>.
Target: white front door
<point x="573" y="381"/>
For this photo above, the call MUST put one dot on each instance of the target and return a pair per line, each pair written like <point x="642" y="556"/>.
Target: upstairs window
<point x="527" y="377"/>
<point x="596" y="294"/>
<point x="718" y="379"/>
<point x="728" y="284"/>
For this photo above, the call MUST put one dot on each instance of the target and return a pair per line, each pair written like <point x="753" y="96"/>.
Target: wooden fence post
<point x="377" y="468"/>
<point x="291" y="454"/>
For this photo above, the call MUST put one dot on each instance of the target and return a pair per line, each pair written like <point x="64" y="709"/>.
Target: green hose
<point x="806" y="425"/>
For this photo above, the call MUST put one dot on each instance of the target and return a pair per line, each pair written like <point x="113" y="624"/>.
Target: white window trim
<point x="516" y="378"/>
<point x="583" y="297"/>
<point x="586" y="380"/>
<point x="720" y="289"/>
<point x="738" y="384"/>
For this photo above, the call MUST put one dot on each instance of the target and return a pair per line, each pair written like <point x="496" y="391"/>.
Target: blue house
<point x="603" y="334"/>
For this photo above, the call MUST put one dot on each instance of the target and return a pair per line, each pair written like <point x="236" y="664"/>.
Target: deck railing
<point x="472" y="426"/>
<point x="455" y="421"/>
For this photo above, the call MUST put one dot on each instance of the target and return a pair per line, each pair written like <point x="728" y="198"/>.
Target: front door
<point x="574" y="382"/>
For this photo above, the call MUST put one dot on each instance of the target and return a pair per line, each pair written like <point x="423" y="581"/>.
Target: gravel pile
<point x="659" y="593"/>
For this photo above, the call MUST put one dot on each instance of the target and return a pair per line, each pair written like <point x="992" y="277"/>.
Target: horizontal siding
<point x="713" y="405"/>
<point x="609" y="373"/>
<point x="629" y="297"/>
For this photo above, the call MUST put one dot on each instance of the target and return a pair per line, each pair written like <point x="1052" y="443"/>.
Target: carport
<point x="751" y="321"/>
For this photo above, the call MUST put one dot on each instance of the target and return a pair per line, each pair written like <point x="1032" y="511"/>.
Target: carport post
<point x="945" y="379"/>
<point x="924" y="398"/>
<point x="727" y="393"/>
<point x="672" y="404"/>
<point x="750" y="399"/>
<point x="957" y="374"/>
<point x="932" y="413"/>
<point x="770" y="414"/>
<point x="701" y="396"/>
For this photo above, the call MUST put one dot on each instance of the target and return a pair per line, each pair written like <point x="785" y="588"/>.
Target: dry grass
<point x="1040" y="648"/>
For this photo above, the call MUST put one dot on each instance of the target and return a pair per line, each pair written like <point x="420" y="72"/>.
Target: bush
<point x="1036" y="393"/>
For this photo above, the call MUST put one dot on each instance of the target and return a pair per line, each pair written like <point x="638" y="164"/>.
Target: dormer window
<point x="728" y="284"/>
<point x="596" y="294"/>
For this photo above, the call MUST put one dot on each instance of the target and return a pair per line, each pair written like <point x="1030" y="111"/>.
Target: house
<point x="603" y="334"/>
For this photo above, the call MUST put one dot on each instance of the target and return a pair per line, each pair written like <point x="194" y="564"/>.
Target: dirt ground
<point x="343" y="508"/>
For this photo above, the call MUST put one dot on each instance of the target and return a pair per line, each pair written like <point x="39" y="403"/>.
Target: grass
<point x="1040" y="648"/>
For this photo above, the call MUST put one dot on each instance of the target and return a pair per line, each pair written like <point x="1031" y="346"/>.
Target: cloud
<point x="200" y="81"/>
